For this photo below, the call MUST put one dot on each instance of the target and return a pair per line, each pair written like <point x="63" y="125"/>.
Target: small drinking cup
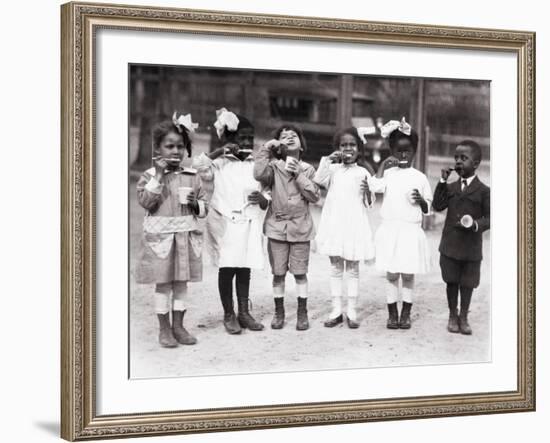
<point x="183" y="193"/>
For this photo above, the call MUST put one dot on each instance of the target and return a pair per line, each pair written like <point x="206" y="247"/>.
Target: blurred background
<point x="444" y="112"/>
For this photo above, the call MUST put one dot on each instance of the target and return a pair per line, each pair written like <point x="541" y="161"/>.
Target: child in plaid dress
<point x="172" y="241"/>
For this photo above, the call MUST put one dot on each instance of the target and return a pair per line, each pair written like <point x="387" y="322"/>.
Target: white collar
<point x="469" y="180"/>
<point x="234" y="157"/>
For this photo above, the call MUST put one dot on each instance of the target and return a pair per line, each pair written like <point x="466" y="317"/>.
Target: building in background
<point x="444" y="111"/>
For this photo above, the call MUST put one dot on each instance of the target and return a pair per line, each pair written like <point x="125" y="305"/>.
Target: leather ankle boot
<point x="302" y="322"/>
<point x="452" y="326"/>
<point x="405" y="319"/>
<point x="230" y="322"/>
<point x="463" y="324"/>
<point x="166" y="336"/>
<point x="279" y="316"/>
<point x="245" y="319"/>
<point x="393" y="322"/>
<point x="180" y="333"/>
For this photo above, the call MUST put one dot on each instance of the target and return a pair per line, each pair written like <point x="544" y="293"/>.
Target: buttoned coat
<point x="474" y="200"/>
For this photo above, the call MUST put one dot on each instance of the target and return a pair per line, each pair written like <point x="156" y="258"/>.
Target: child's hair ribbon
<point x="225" y="119"/>
<point x="184" y="121"/>
<point x="392" y="125"/>
<point x="363" y="131"/>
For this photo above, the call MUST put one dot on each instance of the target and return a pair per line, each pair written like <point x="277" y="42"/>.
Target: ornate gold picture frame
<point x="80" y="23"/>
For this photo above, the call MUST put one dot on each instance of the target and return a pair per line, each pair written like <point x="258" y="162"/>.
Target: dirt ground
<point x="319" y="348"/>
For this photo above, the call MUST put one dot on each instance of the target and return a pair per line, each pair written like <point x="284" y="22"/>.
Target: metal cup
<point x="467" y="221"/>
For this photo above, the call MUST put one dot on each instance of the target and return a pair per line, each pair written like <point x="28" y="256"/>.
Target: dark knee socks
<point x="465" y="299"/>
<point x="225" y="285"/>
<point x="452" y="296"/>
<point x="242" y="282"/>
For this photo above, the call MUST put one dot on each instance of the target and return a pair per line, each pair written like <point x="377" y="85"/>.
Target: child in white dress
<point x="344" y="232"/>
<point x="401" y="246"/>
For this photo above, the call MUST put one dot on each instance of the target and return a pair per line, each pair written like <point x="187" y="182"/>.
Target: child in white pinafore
<point x="401" y="246"/>
<point x="237" y="211"/>
<point x="171" y="253"/>
<point x="344" y="232"/>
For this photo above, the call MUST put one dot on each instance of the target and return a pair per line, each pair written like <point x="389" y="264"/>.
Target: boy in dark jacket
<point x="468" y="215"/>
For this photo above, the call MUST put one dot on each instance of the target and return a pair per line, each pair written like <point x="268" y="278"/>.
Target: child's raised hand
<point x="160" y="164"/>
<point x="390" y="162"/>
<point x="335" y="157"/>
<point x="230" y="148"/>
<point x="273" y="145"/>
<point x="445" y="173"/>
<point x="277" y="149"/>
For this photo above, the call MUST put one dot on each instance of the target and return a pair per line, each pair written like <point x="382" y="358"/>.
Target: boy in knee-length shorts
<point x="288" y="224"/>
<point x="468" y="215"/>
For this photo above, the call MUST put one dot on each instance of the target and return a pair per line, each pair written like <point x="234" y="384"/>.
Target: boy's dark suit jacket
<point x="475" y="200"/>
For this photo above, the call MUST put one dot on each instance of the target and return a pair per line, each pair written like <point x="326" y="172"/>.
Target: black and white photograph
<point x="285" y="221"/>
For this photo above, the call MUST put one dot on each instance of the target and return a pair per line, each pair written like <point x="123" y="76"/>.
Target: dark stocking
<point x="465" y="299"/>
<point x="243" y="282"/>
<point x="452" y="296"/>
<point x="225" y="286"/>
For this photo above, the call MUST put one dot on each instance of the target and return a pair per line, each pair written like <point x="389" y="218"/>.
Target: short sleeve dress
<point x="344" y="229"/>
<point x="401" y="245"/>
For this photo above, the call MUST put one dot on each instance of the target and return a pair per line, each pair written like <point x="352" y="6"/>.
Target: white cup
<point x="467" y="221"/>
<point x="289" y="160"/>
<point x="183" y="193"/>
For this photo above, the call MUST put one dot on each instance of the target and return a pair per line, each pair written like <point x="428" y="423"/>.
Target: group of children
<point x="268" y="192"/>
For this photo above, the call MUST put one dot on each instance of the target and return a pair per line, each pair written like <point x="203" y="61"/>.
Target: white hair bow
<point x="363" y="131"/>
<point x="392" y="125"/>
<point x="225" y="119"/>
<point x="184" y="121"/>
